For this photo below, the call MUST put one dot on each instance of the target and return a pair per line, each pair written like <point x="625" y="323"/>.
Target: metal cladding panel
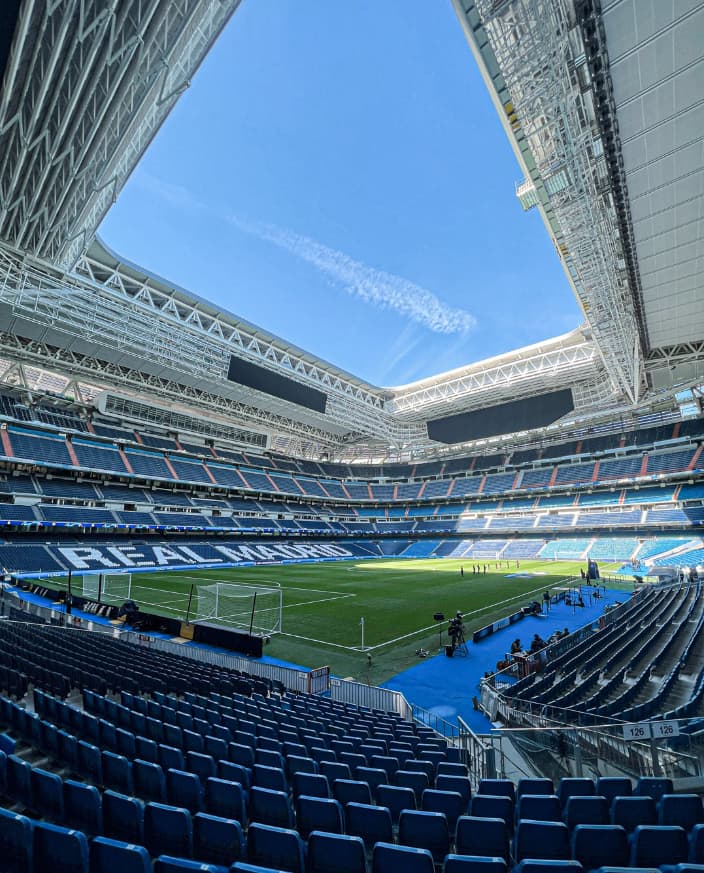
<point x="276" y="385"/>
<point x="505" y="418"/>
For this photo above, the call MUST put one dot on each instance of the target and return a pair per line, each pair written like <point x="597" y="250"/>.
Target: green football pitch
<point x="323" y="605"/>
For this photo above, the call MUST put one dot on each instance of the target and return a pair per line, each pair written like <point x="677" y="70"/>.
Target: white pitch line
<point x="322" y="600"/>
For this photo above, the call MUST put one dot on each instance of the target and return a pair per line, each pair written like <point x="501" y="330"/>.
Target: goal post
<point x="110" y="588"/>
<point x="255" y="609"/>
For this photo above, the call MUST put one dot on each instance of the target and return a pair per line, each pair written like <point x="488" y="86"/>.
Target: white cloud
<point x="377" y="287"/>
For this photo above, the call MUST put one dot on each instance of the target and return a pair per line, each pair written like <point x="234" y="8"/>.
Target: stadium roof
<point x="600" y="104"/>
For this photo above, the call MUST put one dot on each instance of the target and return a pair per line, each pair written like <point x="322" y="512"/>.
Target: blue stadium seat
<point x="273" y="778"/>
<point x="123" y="817"/>
<point x="371" y="823"/>
<point x="59" y="849"/>
<point x="414" y="780"/>
<point x="492" y="806"/>
<point x="653" y="845"/>
<point x="696" y="844"/>
<point x="449" y="768"/>
<point x="279" y="848"/>
<point x="146" y="750"/>
<point x="318" y="814"/>
<point x="300" y="764"/>
<point x="395" y="799"/>
<point x="170" y="758"/>
<point x="481" y="836"/>
<point x="170" y="864"/>
<point x="425" y="830"/>
<point x="217" y="840"/>
<point x="498" y="788"/>
<point x="351" y="791"/>
<point x="149" y="782"/>
<point x="574" y="787"/>
<point x="184" y="789"/>
<point x="629" y="812"/>
<point x="450" y="803"/>
<point x="684" y="810"/>
<point x="216" y="747"/>
<point x="533" y="865"/>
<point x="115" y="856"/>
<point x="117" y="773"/>
<point x="270" y="807"/>
<point x="652" y="786"/>
<point x="334" y="770"/>
<point x="613" y="786"/>
<point x="460" y="784"/>
<point x="313" y="784"/>
<point x="235" y="773"/>
<point x="335" y="853"/>
<point x="388" y="858"/>
<point x="226" y="799"/>
<point x="419" y="765"/>
<point x="83" y="807"/>
<point x="168" y="830"/>
<point x="48" y="793"/>
<point x="547" y="840"/>
<point x="539" y="807"/>
<point x="598" y="845"/>
<point x="373" y="776"/>
<point x="202" y="765"/>
<point x="473" y="864"/>
<point x="534" y="786"/>
<point x="19" y="781"/>
<point x="89" y="762"/>
<point x="585" y="810"/>
<point x="240" y="754"/>
<point x="16" y="842"/>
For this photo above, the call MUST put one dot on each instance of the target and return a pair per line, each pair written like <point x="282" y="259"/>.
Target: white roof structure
<point x="600" y="103"/>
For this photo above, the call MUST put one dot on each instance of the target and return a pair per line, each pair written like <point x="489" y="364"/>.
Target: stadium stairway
<point x="459" y="677"/>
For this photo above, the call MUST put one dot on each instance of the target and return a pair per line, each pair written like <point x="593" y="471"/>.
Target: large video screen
<point x="524" y="414"/>
<point x="268" y="382"/>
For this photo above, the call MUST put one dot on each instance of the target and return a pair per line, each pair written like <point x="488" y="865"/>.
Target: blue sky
<point x="337" y="174"/>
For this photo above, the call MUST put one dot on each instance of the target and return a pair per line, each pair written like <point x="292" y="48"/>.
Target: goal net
<point x="239" y="606"/>
<point x="112" y="588"/>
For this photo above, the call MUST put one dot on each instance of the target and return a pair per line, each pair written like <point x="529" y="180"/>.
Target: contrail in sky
<point x="373" y="286"/>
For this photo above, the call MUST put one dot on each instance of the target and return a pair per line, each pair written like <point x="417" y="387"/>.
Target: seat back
<point x="184" y="789"/>
<point x="371" y="823"/>
<point x="425" y="830"/>
<point x="415" y="780"/>
<point x="482" y="836"/>
<point x="460" y="784"/>
<point x="388" y="858"/>
<point x="450" y="803"/>
<point x="16" y="842"/>
<point x="629" y="812"/>
<point x="123" y="817"/>
<point x="613" y="786"/>
<point x="498" y="788"/>
<point x="48" y="793"/>
<point x="59" y="849"/>
<point x="318" y="814"/>
<point x="217" y="840"/>
<point x="492" y="806"/>
<point x="652" y="786"/>
<point x="473" y="864"/>
<point x="111" y="856"/>
<point x="653" y="845"/>
<point x="117" y="773"/>
<point x="149" y="781"/>
<point x="168" y="830"/>
<point x="226" y="799"/>
<point x="581" y="809"/>
<point x="278" y="848"/>
<point x="541" y="839"/>
<point x="312" y="784"/>
<point x="270" y="807"/>
<point x="335" y="853"/>
<point x="597" y="846"/>
<point x="395" y="799"/>
<point x="574" y="787"/>
<point x="83" y="807"/>
<point x="534" y="786"/>
<point x="351" y="791"/>
<point x="539" y="807"/>
<point x="680" y="809"/>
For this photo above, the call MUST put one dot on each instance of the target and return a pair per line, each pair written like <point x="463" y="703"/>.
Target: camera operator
<point x="455" y="630"/>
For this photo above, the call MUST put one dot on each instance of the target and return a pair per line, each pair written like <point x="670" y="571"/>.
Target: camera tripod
<point x="459" y="644"/>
